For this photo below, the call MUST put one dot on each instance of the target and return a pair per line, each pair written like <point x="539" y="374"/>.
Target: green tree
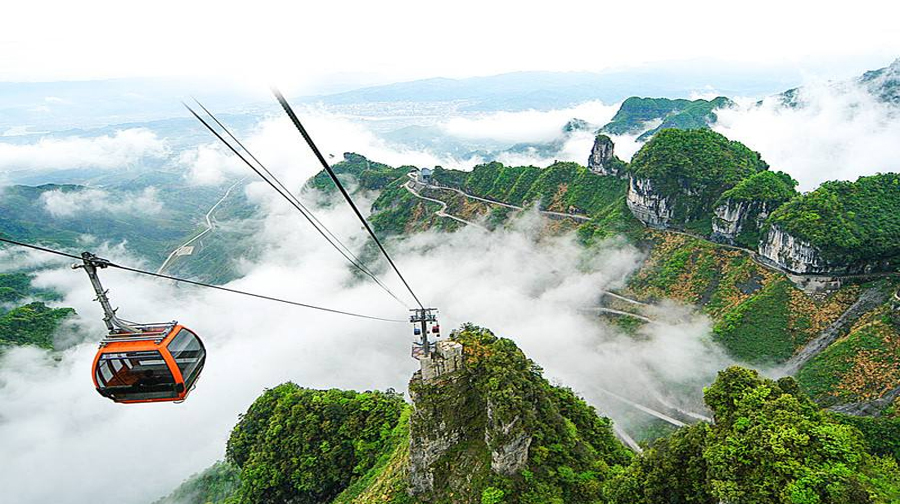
<point x="306" y="446"/>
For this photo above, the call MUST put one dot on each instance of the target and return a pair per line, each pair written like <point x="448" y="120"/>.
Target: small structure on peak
<point x="447" y="357"/>
<point x="424" y="176"/>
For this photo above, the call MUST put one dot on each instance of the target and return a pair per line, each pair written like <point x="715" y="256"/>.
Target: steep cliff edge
<point x="841" y="227"/>
<point x="495" y="428"/>
<point x="678" y="176"/>
<point x="741" y="211"/>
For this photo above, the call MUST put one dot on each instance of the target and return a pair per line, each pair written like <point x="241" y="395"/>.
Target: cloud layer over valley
<point x="839" y="132"/>
<point x="516" y="282"/>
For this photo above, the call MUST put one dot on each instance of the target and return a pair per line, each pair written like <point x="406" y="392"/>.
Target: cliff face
<point x="734" y="217"/>
<point x="791" y="253"/>
<point x="647" y="205"/>
<point x="602" y="161"/>
<point x="487" y="425"/>
<point x="799" y="256"/>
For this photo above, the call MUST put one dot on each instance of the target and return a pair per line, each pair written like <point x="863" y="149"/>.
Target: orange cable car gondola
<point x="142" y="362"/>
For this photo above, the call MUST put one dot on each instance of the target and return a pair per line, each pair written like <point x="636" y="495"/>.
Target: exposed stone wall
<point x="647" y="205"/>
<point x="791" y="253"/>
<point x="453" y="427"/>
<point x="600" y="160"/>
<point x="801" y="257"/>
<point x="731" y="218"/>
<point x="508" y="443"/>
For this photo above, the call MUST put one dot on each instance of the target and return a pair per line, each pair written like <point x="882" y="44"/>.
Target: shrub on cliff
<point x="769" y="444"/>
<point x="369" y="174"/>
<point x="305" y="446"/>
<point x="770" y="187"/>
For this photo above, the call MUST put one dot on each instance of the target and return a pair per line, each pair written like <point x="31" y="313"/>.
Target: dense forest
<point x="31" y="323"/>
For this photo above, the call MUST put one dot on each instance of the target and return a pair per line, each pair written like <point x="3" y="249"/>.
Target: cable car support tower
<point x="421" y="318"/>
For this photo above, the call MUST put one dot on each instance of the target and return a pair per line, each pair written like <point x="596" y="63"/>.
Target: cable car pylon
<point x="421" y="319"/>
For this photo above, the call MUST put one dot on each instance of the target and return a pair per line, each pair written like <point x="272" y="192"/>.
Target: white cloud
<point x="108" y="151"/>
<point x="840" y="133"/>
<point x="527" y="126"/>
<point x="60" y="203"/>
<point x="277" y="144"/>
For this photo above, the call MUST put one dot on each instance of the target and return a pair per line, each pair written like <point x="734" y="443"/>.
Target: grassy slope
<point x="861" y="366"/>
<point x="759" y="315"/>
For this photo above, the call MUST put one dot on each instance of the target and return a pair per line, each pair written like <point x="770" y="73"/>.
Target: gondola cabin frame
<point x="139" y="366"/>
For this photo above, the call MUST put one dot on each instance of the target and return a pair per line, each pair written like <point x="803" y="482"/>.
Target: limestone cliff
<point x="486" y="423"/>
<point x="733" y="217"/>
<point x="647" y="205"/>
<point x="792" y="253"/>
<point x="741" y="211"/>
<point x="677" y="177"/>
<point x="602" y="160"/>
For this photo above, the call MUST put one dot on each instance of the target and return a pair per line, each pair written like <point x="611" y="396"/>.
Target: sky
<point x="308" y="46"/>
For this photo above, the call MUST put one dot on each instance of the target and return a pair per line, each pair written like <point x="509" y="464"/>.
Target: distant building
<point x="425" y="175"/>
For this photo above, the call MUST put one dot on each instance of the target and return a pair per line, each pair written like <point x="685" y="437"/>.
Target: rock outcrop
<point x="733" y="217"/>
<point x="792" y="254"/>
<point x="801" y="257"/>
<point x="488" y="420"/>
<point x="602" y="160"/>
<point x="647" y="205"/>
<point x="448" y="415"/>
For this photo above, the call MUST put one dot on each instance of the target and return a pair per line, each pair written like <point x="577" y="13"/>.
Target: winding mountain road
<point x="443" y="211"/>
<point x="577" y="217"/>
<point x="209" y="228"/>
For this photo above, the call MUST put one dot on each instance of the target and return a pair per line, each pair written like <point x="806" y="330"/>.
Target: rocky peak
<point x="488" y="418"/>
<point x="602" y="160"/>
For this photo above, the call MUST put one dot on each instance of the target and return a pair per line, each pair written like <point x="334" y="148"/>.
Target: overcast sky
<point x="298" y="44"/>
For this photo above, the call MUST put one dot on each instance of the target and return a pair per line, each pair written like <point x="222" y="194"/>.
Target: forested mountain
<point x="646" y="116"/>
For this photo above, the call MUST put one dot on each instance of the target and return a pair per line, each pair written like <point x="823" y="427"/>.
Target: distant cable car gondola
<point x="142" y="362"/>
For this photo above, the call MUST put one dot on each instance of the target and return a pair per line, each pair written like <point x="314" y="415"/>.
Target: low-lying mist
<point x="517" y="282"/>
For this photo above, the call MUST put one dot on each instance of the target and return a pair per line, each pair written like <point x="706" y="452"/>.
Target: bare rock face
<point x="453" y="427"/>
<point x="601" y="159"/>
<point x="508" y="442"/>
<point x="733" y="217"/>
<point x="791" y="253"/>
<point x="647" y="205"/>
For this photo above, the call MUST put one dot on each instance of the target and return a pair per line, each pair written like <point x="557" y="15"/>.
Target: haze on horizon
<point x="324" y="48"/>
